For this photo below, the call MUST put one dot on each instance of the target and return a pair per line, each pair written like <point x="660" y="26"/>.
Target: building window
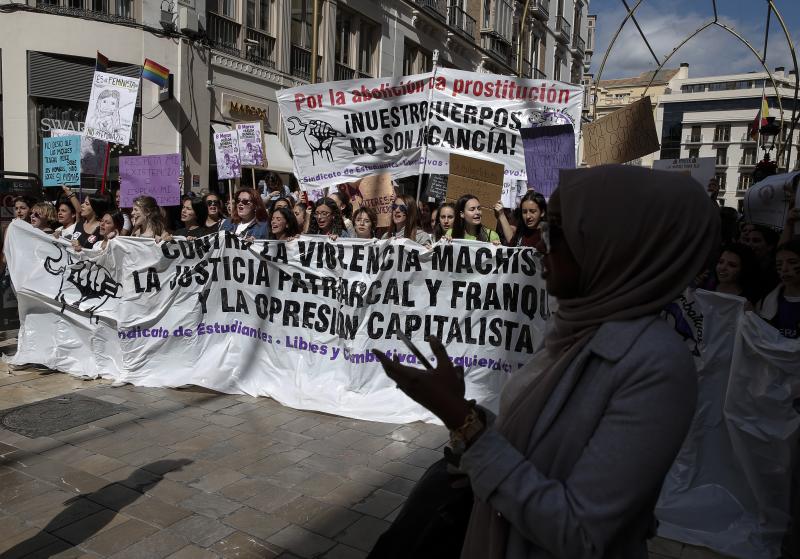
<point x="693" y="88"/>
<point x="722" y="133"/>
<point x="697" y="135"/>
<point x="694" y="152"/>
<point x="300" y="58"/>
<point x="749" y="156"/>
<point x="356" y="45"/>
<point x="721" y="180"/>
<point x="343" y="33"/>
<point x="745" y="181"/>
<point x="416" y="60"/>
<point x="722" y="156"/>
<point x="258" y="14"/>
<point x="557" y="68"/>
<point x="368" y="34"/>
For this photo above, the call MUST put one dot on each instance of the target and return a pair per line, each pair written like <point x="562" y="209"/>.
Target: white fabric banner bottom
<point x="729" y="486"/>
<point x="292" y="320"/>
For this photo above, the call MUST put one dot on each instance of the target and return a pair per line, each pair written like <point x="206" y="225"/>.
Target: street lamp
<point x="768" y="133"/>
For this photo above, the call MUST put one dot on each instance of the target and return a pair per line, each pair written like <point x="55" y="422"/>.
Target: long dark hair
<point x="292" y="228"/>
<point x="117" y="218"/>
<point x="749" y="271"/>
<point x="459" y="225"/>
<point x="347" y="211"/>
<point x="412" y="218"/>
<point x="99" y="206"/>
<point x="438" y="231"/>
<point x="522" y="229"/>
<point x="200" y="209"/>
<point x="337" y="224"/>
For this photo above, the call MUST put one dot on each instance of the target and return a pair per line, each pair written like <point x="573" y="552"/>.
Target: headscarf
<point x="639" y="237"/>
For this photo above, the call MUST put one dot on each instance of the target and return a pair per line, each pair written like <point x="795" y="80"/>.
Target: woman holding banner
<point x="87" y="229"/>
<point x="249" y="218"/>
<point x="214" y="213"/>
<point x="327" y="220"/>
<point x="148" y="221"/>
<point x="65" y="215"/>
<point x="573" y="464"/>
<point x="405" y="222"/>
<point x="194" y="214"/>
<point x="283" y="225"/>
<point x="43" y="216"/>
<point x="467" y="224"/>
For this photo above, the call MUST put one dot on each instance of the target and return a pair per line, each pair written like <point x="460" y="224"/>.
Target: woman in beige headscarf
<point x="574" y="462"/>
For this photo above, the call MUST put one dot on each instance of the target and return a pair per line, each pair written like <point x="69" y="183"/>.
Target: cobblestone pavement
<point x="190" y="473"/>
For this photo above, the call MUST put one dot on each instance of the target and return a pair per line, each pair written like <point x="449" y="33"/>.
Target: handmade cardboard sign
<point x="622" y="136"/>
<point x="483" y="179"/>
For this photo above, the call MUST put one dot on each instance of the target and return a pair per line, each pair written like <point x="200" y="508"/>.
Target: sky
<point x="712" y="52"/>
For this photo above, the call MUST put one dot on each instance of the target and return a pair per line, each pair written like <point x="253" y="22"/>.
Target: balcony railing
<point x="436" y="8"/>
<point x="461" y="21"/>
<point x="90" y="9"/>
<point x="300" y="62"/>
<point x="223" y="34"/>
<point x="694" y="139"/>
<point x="538" y="74"/>
<point x="497" y="47"/>
<point x="564" y="29"/>
<point x="578" y="44"/>
<point x="721" y="162"/>
<point x="541" y="9"/>
<point x="747" y="162"/>
<point x="342" y="72"/>
<point x="260" y="48"/>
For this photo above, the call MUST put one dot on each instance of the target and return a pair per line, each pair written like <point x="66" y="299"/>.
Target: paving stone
<point x="301" y="424"/>
<point x="405" y="434"/>
<point x="323" y="430"/>
<point x="433" y="439"/>
<point x="201" y="530"/>
<point x="256" y="523"/>
<point x="61" y="513"/>
<point x="403" y="470"/>
<point x="30" y="542"/>
<point x="395" y="451"/>
<point x="423" y="457"/>
<point x="216" y="480"/>
<point x="114" y="496"/>
<point x="283" y="436"/>
<point x="171" y="492"/>
<point x="346" y="436"/>
<point x="156" y="511"/>
<point x="348" y="493"/>
<point x="224" y="420"/>
<point x="83" y="529"/>
<point x="301" y="542"/>
<point x="269" y="501"/>
<point x="208" y="504"/>
<point x="67" y="453"/>
<point x="301" y="510"/>
<point x="370" y="444"/>
<point x="371" y="427"/>
<point x="399" y="485"/>
<point x="363" y="474"/>
<point x="241" y="408"/>
<point x="245" y="488"/>
<point x="119" y="537"/>
<point x="244" y="546"/>
<point x="193" y="552"/>
<point x="363" y="533"/>
<point x="156" y="546"/>
<point x="342" y="551"/>
<point x="379" y="504"/>
<point x="133" y="478"/>
<point x="98" y="464"/>
<point x="319" y="485"/>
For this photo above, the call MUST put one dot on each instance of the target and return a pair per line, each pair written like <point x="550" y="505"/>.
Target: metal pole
<point x="427" y="120"/>
<point x="314" y="41"/>
<point x="522" y="21"/>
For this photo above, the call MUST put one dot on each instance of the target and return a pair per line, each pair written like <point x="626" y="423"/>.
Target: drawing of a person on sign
<point x="106" y="112"/>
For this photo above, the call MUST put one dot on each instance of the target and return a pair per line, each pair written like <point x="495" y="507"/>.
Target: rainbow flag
<point x="155" y="72"/>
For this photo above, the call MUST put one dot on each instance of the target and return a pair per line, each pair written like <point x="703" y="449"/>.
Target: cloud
<point x="713" y="51"/>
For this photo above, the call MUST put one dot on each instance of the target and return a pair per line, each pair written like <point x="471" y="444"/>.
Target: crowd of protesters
<point x="755" y="262"/>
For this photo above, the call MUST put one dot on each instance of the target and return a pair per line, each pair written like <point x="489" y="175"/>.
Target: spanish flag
<point x="760" y="119"/>
<point x="155" y="72"/>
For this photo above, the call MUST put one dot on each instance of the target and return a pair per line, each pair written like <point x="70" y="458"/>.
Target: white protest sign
<point x="292" y="320"/>
<point x="345" y="130"/>
<point x="111" y="107"/>
<point x="226" y="147"/>
<point x="251" y="144"/>
<point x="700" y="168"/>
<point x="767" y="202"/>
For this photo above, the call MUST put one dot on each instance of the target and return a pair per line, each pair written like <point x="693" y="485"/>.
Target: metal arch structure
<point x="771" y="9"/>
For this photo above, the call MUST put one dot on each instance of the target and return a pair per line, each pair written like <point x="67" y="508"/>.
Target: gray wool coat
<point x="589" y="480"/>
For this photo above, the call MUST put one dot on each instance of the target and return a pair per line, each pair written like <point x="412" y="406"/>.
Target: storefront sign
<point x="239" y="108"/>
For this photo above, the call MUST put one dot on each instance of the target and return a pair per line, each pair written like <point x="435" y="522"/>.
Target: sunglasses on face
<point x="211" y="203"/>
<point x="244" y="201"/>
<point x="323" y="214"/>
<point x="402" y="207"/>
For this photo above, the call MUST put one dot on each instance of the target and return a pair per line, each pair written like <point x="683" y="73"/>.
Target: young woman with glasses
<point x="327" y="220"/>
<point x="214" y="210"/>
<point x="365" y="221"/>
<point x="467" y="224"/>
<point x="249" y="219"/>
<point x="405" y="221"/>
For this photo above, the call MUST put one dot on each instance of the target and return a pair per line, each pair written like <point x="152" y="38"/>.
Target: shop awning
<point x="278" y="159"/>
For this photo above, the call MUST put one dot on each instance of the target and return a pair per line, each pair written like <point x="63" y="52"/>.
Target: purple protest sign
<point x="548" y="149"/>
<point x="151" y="175"/>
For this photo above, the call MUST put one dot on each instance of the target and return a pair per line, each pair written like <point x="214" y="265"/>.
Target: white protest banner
<point x="226" y="147"/>
<point x="251" y="144"/>
<point x="111" y="107"/>
<point x="767" y="202"/>
<point x="700" y="168"/>
<point x="341" y="131"/>
<point x="728" y="487"/>
<point x="93" y="151"/>
<point x="295" y="321"/>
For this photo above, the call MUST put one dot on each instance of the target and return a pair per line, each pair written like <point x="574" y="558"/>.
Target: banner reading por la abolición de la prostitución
<point x="295" y="321"/>
<point x="341" y="131"/>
